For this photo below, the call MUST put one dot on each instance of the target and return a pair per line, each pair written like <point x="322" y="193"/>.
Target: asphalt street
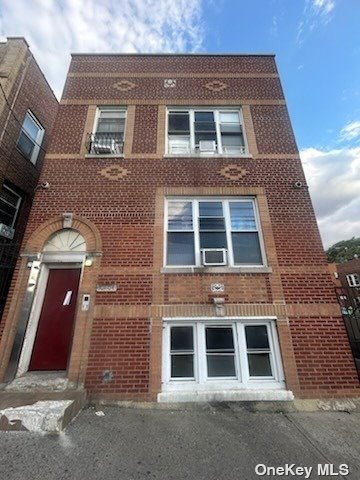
<point x="219" y="442"/>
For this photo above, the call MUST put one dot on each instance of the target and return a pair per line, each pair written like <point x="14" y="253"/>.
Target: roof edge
<point x="174" y="54"/>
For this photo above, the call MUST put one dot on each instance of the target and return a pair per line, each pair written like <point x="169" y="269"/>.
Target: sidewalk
<point x="200" y="443"/>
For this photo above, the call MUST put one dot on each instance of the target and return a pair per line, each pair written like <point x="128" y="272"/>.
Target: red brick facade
<point x="117" y="345"/>
<point x="24" y="88"/>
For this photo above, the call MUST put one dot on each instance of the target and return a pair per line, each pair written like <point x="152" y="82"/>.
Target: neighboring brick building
<point x="178" y="215"/>
<point x="347" y="274"/>
<point x="27" y="114"/>
<point x="346" y="278"/>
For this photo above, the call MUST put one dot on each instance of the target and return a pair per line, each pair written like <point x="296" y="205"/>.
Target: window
<point x="209" y="352"/>
<point x="9" y="206"/>
<point x="108" y="135"/>
<point x="353" y="280"/>
<point x="30" y="138"/>
<point x="198" y="229"/>
<point x="205" y="131"/>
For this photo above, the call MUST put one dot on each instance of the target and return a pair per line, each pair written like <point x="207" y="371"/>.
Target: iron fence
<point x="349" y="301"/>
<point x="105" y="143"/>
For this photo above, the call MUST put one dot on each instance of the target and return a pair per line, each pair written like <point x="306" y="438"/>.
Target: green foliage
<point x="344" y="251"/>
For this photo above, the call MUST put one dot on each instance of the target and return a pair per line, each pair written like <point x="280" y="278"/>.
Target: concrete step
<point x="47" y="412"/>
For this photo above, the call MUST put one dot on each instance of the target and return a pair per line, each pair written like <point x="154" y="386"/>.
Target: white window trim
<point x="120" y="108"/>
<point x="353" y="280"/>
<point x="39" y="138"/>
<point x="201" y="383"/>
<point x="100" y="108"/>
<point x="230" y="256"/>
<point x="216" y="110"/>
<point x="17" y="205"/>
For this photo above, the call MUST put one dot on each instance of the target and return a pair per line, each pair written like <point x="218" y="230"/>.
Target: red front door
<point x="54" y="333"/>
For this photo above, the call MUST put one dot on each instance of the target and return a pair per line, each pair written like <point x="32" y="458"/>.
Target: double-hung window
<point x="353" y="280"/>
<point x="205" y="131"/>
<point x="209" y="352"/>
<point x="30" y="138"/>
<point x="213" y="231"/>
<point x="108" y="134"/>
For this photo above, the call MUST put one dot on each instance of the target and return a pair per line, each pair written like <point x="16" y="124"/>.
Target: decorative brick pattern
<point x="124" y="85"/>
<point x="196" y="288"/>
<point x="145" y="131"/>
<point x="150" y="88"/>
<point x="114" y="172"/>
<point x="233" y="172"/>
<point x="216" y="86"/>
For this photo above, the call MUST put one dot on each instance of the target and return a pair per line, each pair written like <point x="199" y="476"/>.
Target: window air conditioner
<point x="208" y="146"/>
<point x="6" y="231"/>
<point x="214" y="256"/>
<point x="179" y="148"/>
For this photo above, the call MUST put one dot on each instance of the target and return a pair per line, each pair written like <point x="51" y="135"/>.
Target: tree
<point x="344" y="251"/>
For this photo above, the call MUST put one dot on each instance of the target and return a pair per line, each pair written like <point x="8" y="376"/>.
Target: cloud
<point x="54" y="28"/>
<point x="351" y="131"/>
<point x="274" y="27"/>
<point x="334" y="180"/>
<point x="323" y="7"/>
<point x="315" y="13"/>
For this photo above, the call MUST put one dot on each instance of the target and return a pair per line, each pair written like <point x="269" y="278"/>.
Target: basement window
<point x="213" y="353"/>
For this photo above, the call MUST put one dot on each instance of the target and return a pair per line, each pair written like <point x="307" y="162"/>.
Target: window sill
<point x="193" y="270"/>
<point x="258" y="394"/>
<point x="207" y="156"/>
<point x="112" y="155"/>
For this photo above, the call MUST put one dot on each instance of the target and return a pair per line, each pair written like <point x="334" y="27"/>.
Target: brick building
<point x="27" y="114"/>
<point x="346" y="279"/>
<point x="347" y="274"/>
<point x="177" y="240"/>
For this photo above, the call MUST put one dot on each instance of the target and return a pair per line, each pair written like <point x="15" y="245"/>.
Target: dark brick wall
<point x="145" y="130"/>
<point x="273" y="129"/>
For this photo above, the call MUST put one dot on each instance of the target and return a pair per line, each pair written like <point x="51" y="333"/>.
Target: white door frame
<point x="55" y="262"/>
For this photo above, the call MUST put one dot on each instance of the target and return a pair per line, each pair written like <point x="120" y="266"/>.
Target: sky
<point x="317" y="47"/>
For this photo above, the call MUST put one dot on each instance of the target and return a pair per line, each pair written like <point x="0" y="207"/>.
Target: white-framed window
<point x="30" y="138"/>
<point x="353" y="280"/>
<point x="107" y="137"/>
<point x="210" y="353"/>
<point x="224" y="231"/>
<point x="10" y="202"/>
<point x="205" y="131"/>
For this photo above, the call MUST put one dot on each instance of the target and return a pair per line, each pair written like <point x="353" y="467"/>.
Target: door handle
<point x="67" y="298"/>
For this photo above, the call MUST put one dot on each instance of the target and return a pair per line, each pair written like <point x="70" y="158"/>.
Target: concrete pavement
<point x="221" y="442"/>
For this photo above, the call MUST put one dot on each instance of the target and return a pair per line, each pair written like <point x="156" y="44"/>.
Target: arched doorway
<point x="48" y="339"/>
